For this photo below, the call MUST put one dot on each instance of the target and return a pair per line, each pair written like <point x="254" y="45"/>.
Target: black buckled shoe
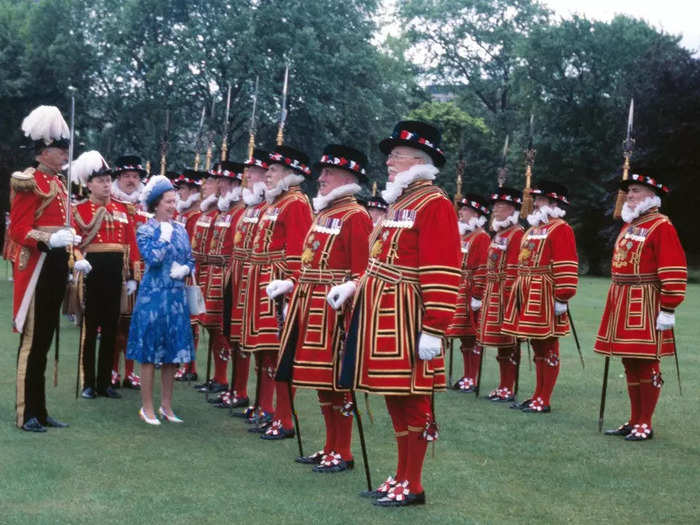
<point x="246" y="414"/>
<point x="380" y="491"/>
<point x="641" y="432"/>
<point x="536" y="406"/>
<point x="33" y="425"/>
<point x="204" y="385"/>
<point x="54" y="423"/>
<point x="520" y="406"/>
<point x="237" y="402"/>
<point x="401" y="496"/>
<point x="276" y="431"/>
<point x="622" y="430"/>
<point x="332" y="463"/>
<point x="213" y="388"/>
<point x="110" y="393"/>
<point x="313" y="459"/>
<point x="88" y="393"/>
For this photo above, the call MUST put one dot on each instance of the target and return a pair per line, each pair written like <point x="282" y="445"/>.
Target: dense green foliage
<point x="492" y="63"/>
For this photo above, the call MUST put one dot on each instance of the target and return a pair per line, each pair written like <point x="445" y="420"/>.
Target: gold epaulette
<point x="23" y="180"/>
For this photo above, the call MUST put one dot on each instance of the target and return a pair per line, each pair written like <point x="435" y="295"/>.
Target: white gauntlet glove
<point x="131" y="286"/>
<point x="665" y="320"/>
<point x="64" y="237"/>
<point x="279" y="287"/>
<point x="340" y="293"/>
<point x="475" y="304"/>
<point x="560" y="308"/>
<point x="166" y="231"/>
<point x="429" y="346"/>
<point x="82" y="266"/>
<point x="179" y="271"/>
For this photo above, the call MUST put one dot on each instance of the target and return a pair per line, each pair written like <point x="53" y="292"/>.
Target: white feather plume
<point x="45" y="123"/>
<point x="87" y="164"/>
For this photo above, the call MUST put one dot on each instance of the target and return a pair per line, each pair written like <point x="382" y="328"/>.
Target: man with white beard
<point x="649" y="275"/>
<point x="473" y="213"/>
<point x="547" y="278"/>
<point x="128" y="173"/>
<point x="403" y="303"/>
<point x="501" y="271"/>
<point x="336" y="250"/>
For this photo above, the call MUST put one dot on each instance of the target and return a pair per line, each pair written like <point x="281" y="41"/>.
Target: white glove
<point x="63" y="238"/>
<point x="82" y="266"/>
<point x="665" y="320"/>
<point x="560" y="308"/>
<point x="429" y="346"/>
<point x="279" y="287"/>
<point x="166" y="231"/>
<point x="285" y="310"/>
<point x="131" y="286"/>
<point x="475" y="304"/>
<point x="340" y="293"/>
<point x="179" y="271"/>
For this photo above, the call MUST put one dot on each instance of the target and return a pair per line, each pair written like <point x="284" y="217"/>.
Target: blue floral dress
<point x="160" y="324"/>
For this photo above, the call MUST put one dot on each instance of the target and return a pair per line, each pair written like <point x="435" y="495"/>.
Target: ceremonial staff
<point x="279" y="300"/>
<point x="627" y="149"/>
<point x="210" y="136"/>
<point x="198" y="139"/>
<point x="224" y="142"/>
<point x="527" y="206"/>
<point x="457" y="198"/>
<point x="164" y="143"/>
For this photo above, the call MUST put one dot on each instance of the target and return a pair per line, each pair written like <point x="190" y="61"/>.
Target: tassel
<point x="621" y="197"/>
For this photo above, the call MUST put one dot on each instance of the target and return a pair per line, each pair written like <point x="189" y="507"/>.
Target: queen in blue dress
<point x="160" y="331"/>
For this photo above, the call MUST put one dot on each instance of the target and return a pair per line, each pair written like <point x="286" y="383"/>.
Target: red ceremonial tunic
<point x="475" y="246"/>
<point x="200" y="237"/>
<point x="245" y="228"/>
<point x="276" y="254"/>
<point x="336" y="249"/>
<point x="649" y="273"/>
<point x="219" y="264"/>
<point x="410" y="286"/>
<point x="547" y="272"/>
<point x="107" y="228"/>
<point x="138" y="217"/>
<point x="38" y="209"/>
<point x="501" y="271"/>
<point x="188" y="219"/>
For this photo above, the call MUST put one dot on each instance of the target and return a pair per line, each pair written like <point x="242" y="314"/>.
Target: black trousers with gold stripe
<point x="103" y="286"/>
<point x="35" y="341"/>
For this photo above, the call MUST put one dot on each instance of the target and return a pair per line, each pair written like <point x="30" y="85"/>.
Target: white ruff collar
<point x="132" y="197"/>
<point x="505" y="223"/>
<point x="543" y="214"/>
<point x="255" y="196"/>
<point x="404" y="179"/>
<point x="471" y="225"/>
<point x="287" y="182"/>
<point x="322" y="201"/>
<point x="181" y="205"/>
<point x="629" y="214"/>
<point x="232" y="196"/>
<point x="207" y="203"/>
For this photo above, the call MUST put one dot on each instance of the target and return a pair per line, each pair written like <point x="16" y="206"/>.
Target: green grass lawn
<point x="491" y="465"/>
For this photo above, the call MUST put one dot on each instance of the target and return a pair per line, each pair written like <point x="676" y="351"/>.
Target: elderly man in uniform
<point x="38" y="218"/>
<point x="336" y="249"/>
<point x="276" y="254"/>
<point x="547" y="279"/>
<point x="649" y="276"/>
<point x="404" y="303"/>
<point x="128" y="173"/>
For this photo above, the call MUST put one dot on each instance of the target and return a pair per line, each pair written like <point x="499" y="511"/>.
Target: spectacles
<point x="397" y="156"/>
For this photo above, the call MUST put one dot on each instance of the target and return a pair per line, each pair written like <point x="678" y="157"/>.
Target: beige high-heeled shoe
<point x="171" y="419"/>
<point x="146" y="419"/>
